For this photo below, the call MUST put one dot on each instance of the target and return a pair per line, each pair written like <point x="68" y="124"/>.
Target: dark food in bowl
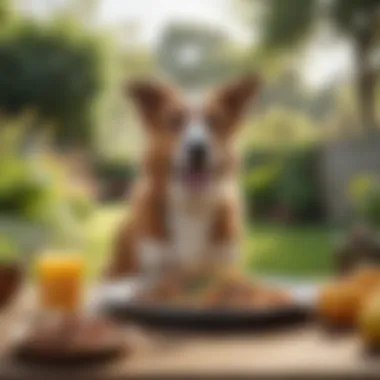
<point x="10" y="279"/>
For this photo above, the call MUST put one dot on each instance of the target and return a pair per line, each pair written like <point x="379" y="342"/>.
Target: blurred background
<point x="69" y="141"/>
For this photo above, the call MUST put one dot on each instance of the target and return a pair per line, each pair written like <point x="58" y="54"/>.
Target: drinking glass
<point x="60" y="281"/>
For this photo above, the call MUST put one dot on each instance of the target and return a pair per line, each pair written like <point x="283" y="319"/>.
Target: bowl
<point x="10" y="280"/>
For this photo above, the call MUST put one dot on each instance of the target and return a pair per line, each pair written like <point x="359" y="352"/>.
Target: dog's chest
<point x="190" y="224"/>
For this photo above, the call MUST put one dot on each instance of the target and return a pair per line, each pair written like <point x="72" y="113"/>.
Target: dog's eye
<point x="176" y="121"/>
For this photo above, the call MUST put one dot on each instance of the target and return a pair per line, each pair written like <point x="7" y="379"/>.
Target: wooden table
<point x="304" y="352"/>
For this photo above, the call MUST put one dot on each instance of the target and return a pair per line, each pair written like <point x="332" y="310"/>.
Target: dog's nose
<point x="197" y="155"/>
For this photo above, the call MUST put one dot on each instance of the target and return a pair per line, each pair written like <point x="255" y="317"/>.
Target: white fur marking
<point x="196" y="131"/>
<point x="152" y="255"/>
<point x="190" y="235"/>
<point x="190" y="221"/>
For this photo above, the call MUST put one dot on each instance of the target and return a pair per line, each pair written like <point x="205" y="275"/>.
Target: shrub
<point x="8" y="249"/>
<point x="34" y="186"/>
<point x="299" y="188"/>
<point x="82" y="206"/>
<point x="116" y="177"/>
<point x="58" y="69"/>
<point x="283" y="183"/>
<point x="364" y="193"/>
<point x="260" y="186"/>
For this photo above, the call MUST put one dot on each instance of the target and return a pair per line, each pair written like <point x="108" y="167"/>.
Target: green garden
<point x="70" y="141"/>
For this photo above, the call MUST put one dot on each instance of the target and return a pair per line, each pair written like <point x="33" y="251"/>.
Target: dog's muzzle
<point x="197" y="156"/>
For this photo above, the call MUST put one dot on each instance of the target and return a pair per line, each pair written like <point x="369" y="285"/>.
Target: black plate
<point x="210" y="319"/>
<point x="118" y="302"/>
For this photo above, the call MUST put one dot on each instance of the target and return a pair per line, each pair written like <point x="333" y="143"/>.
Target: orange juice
<point x="60" y="280"/>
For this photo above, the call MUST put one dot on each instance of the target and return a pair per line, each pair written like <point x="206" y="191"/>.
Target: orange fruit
<point x="369" y="320"/>
<point x="338" y="303"/>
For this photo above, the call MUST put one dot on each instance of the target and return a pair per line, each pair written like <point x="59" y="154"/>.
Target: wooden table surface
<point x="303" y="352"/>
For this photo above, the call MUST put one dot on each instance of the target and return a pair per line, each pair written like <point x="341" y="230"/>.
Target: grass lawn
<point x="268" y="249"/>
<point x="283" y="250"/>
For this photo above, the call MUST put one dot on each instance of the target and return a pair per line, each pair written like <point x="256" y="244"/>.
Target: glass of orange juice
<point x="60" y="278"/>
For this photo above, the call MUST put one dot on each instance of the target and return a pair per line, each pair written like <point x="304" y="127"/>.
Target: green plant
<point x="20" y="186"/>
<point x="82" y="206"/>
<point x="291" y="25"/>
<point x="285" y="181"/>
<point x="8" y="249"/>
<point x="60" y="70"/>
<point x="115" y="170"/>
<point x="36" y="188"/>
<point x="116" y="177"/>
<point x="298" y="188"/>
<point x="260" y="188"/>
<point x="364" y="193"/>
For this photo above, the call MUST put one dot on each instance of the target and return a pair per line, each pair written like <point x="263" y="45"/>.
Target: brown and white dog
<point x="185" y="205"/>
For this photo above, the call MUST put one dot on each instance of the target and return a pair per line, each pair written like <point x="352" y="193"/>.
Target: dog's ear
<point x="148" y="95"/>
<point x="236" y="96"/>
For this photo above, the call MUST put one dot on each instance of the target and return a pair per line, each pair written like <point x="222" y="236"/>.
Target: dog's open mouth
<point x="196" y="179"/>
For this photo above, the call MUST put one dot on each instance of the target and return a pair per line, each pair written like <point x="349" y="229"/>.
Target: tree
<point x="5" y="12"/>
<point x="360" y="19"/>
<point x="59" y="71"/>
<point x="292" y="23"/>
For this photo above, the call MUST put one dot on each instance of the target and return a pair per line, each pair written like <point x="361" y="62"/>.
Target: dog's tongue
<point x="196" y="180"/>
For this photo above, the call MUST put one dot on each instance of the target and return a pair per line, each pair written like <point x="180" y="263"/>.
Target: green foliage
<point x="364" y="193"/>
<point x="20" y="188"/>
<point x="5" y="12"/>
<point x="57" y="69"/>
<point x="260" y="185"/>
<point x="34" y="186"/>
<point x="292" y="23"/>
<point x="281" y="127"/>
<point x="82" y="206"/>
<point x="114" y="170"/>
<point x="282" y="150"/>
<point x="283" y="183"/>
<point x="116" y="177"/>
<point x="347" y="13"/>
<point x="137" y="63"/>
<point x="8" y="249"/>
<point x="287" y="22"/>
<point x="299" y="189"/>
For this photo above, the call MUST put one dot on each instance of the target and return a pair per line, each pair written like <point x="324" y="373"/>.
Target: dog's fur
<point x="169" y="223"/>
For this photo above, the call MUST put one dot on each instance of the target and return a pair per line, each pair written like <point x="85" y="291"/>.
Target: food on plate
<point x="69" y="336"/>
<point x="226" y="289"/>
<point x="369" y="320"/>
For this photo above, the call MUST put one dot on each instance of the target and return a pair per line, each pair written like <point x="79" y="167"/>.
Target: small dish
<point x="10" y="281"/>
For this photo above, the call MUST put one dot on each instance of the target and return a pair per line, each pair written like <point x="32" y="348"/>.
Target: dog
<point x="185" y="206"/>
